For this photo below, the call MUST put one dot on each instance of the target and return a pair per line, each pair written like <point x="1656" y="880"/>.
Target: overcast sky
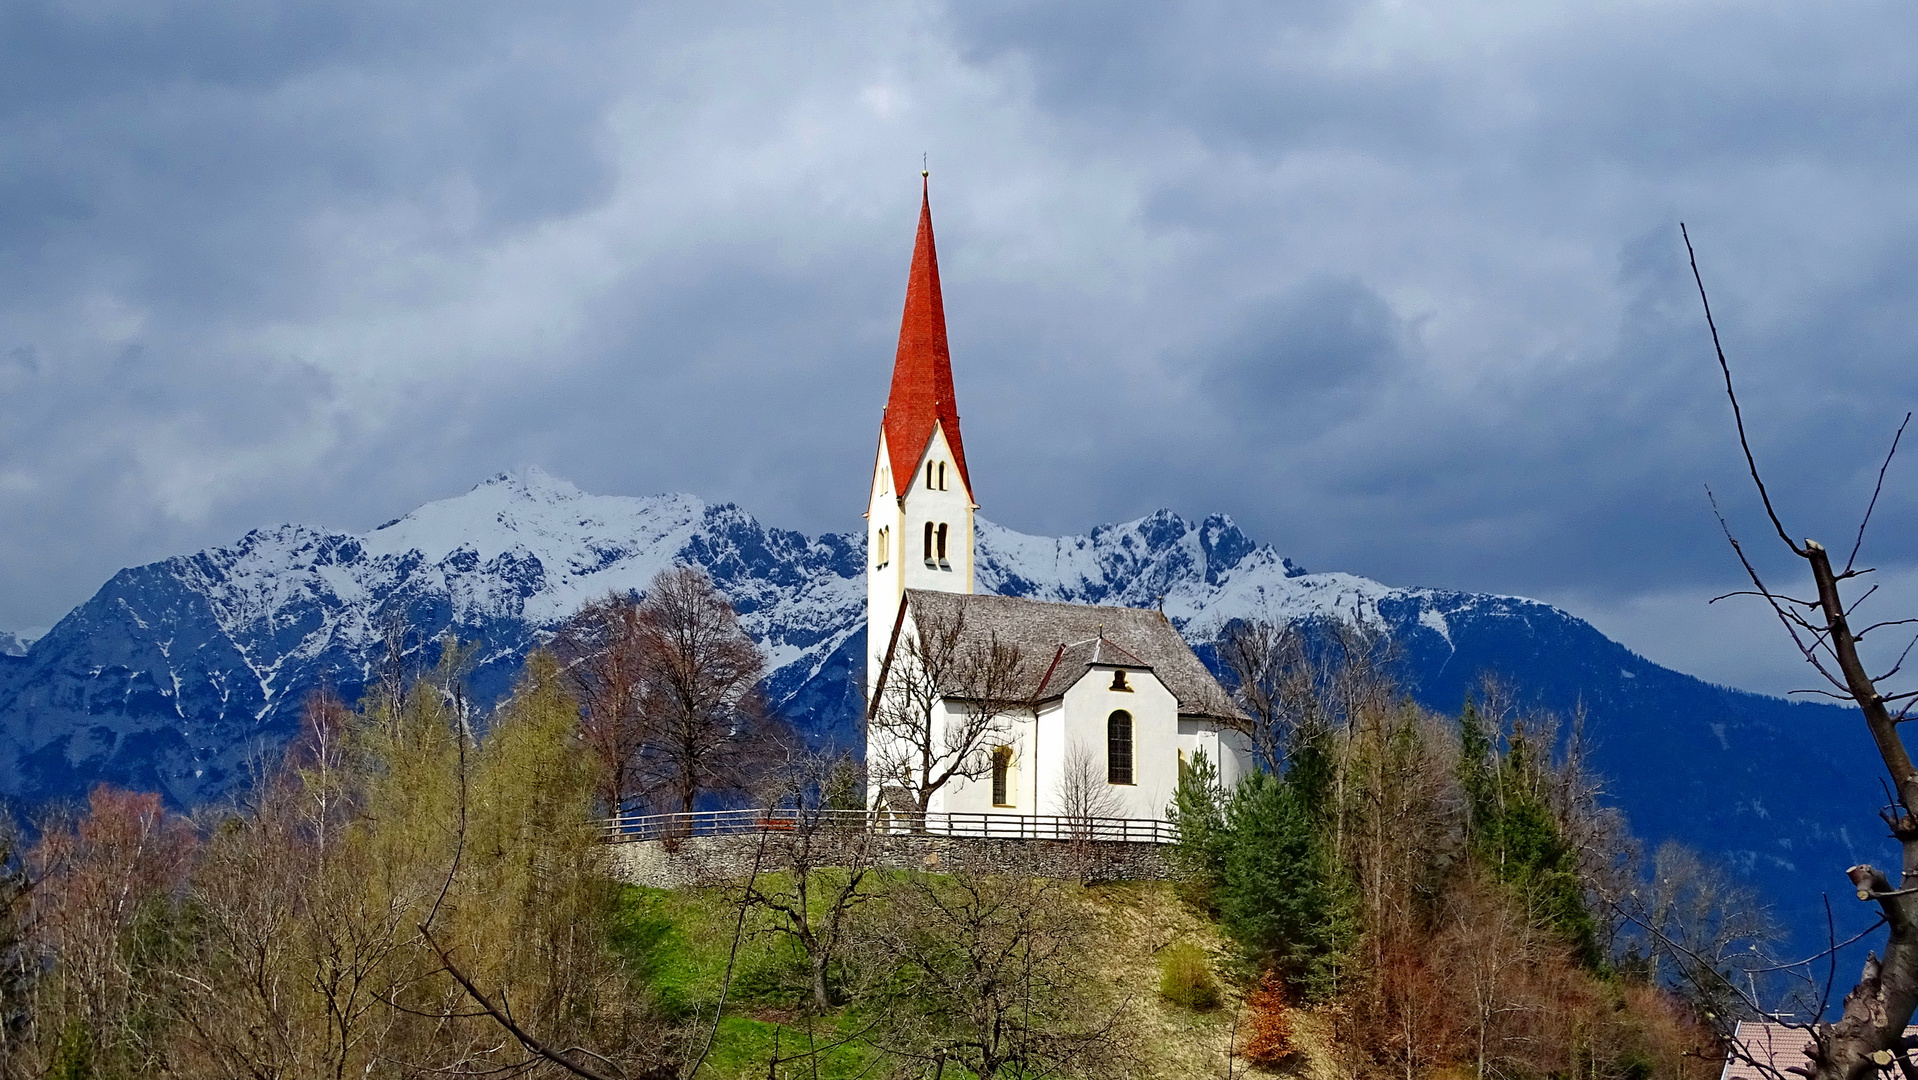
<point x="1398" y="286"/>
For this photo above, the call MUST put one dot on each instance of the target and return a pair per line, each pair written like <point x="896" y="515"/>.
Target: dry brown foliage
<point x="1265" y="1033"/>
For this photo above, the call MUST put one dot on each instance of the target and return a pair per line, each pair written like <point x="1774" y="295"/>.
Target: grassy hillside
<point x="677" y="945"/>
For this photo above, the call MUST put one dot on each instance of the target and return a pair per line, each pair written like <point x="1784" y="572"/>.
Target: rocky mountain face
<point x="178" y="675"/>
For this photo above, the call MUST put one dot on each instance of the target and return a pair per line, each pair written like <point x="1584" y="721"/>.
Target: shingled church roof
<point x="1058" y="642"/>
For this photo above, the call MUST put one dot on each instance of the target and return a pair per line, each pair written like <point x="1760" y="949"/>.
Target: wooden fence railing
<point x="979" y="826"/>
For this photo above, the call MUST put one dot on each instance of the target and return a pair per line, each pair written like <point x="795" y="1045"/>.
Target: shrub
<point x="1184" y="978"/>
<point x="1266" y="1029"/>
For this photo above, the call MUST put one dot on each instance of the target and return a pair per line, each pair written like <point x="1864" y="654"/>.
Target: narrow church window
<point x="942" y="542"/>
<point x="928" y="476"/>
<point x="942" y="476"/>
<point x="883" y="554"/>
<point x="1118" y="681"/>
<point x="1001" y="776"/>
<point x="928" y="543"/>
<point x="1119" y="748"/>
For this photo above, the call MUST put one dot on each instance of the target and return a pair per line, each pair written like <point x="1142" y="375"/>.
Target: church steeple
<point x="919" y="516"/>
<point x="922" y="393"/>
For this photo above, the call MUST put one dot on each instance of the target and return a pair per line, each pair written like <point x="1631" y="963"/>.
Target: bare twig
<point x="505" y="1017"/>
<point x="1869" y="507"/>
<point x="732" y="957"/>
<point x="1738" y="416"/>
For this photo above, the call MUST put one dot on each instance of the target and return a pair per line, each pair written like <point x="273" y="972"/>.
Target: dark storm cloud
<point x="1399" y="287"/>
<point x="1321" y="337"/>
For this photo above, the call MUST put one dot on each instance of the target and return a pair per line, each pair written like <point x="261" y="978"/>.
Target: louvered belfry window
<point x="1119" y="748"/>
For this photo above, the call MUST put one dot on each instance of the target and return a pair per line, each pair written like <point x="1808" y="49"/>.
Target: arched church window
<point x="1118" y="680"/>
<point x="929" y="542"/>
<point x="942" y="542"/>
<point x="883" y="555"/>
<point x="1119" y="748"/>
<point x="929" y="484"/>
<point x="942" y="476"/>
<point x="1002" y="776"/>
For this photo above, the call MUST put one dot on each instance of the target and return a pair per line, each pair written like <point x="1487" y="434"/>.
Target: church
<point x="980" y="704"/>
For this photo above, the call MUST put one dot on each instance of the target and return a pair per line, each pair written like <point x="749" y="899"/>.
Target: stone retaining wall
<point x="706" y="860"/>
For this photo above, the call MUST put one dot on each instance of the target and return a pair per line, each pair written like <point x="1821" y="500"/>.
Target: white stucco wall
<point x="1228" y="750"/>
<point x="1155" y="736"/>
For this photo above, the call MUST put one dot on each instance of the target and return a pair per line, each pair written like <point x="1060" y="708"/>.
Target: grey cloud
<point x="1406" y="300"/>
<point x="1322" y="336"/>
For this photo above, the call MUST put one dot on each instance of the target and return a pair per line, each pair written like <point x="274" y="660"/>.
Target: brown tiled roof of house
<point x="1057" y="643"/>
<point x="1775" y="1047"/>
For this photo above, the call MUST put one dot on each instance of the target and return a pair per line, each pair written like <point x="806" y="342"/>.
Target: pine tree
<point x="1198" y="812"/>
<point x="1512" y="830"/>
<point x="1281" y="893"/>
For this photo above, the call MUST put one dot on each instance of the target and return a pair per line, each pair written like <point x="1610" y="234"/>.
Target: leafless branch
<point x="1737" y="415"/>
<point x="505" y="1019"/>
<point x="1880" y="486"/>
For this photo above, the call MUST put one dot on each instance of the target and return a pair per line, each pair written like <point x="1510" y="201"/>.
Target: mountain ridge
<point x="175" y="675"/>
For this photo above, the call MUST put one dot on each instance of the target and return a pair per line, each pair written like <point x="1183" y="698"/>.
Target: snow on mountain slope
<point x="16" y="642"/>
<point x="176" y="673"/>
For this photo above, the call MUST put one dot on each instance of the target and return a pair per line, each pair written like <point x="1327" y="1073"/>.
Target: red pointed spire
<point x="922" y="370"/>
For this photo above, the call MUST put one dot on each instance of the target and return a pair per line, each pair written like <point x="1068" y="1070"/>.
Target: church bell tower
<point x="919" y="517"/>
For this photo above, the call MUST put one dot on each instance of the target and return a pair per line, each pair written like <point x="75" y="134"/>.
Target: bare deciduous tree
<point x="1084" y="795"/>
<point x="701" y="709"/>
<point x="916" y="743"/>
<point x="827" y="859"/>
<point x="603" y="651"/>
<point x="995" y="967"/>
<point x="1299" y="678"/>
<point x="1869" y="1035"/>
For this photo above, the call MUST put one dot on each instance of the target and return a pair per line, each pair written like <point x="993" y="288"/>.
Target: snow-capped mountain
<point x="175" y="674"/>
<point x="15" y="642"/>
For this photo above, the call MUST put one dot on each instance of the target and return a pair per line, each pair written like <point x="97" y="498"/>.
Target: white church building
<point x="1113" y="694"/>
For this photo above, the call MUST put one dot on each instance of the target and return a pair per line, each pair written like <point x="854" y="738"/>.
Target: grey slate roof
<point x="1058" y="642"/>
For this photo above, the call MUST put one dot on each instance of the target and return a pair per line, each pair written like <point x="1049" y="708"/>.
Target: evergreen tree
<point x="1512" y="830"/>
<point x="1198" y="811"/>
<point x="1281" y="892"/>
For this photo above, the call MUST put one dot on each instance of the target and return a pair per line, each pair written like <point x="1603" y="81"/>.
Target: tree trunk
<point x="1878" y="1009"/>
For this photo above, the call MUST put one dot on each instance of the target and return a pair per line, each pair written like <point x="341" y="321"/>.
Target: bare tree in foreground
<point x="1291" y="678"/>
<point x="1869" y="1036"/>
<point x="914" y="745"/>
<point x="996" y="971"/>
<point x="828" y="863"/>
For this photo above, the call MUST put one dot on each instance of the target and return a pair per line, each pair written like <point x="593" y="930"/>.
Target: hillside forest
<point x="419" y="889"/>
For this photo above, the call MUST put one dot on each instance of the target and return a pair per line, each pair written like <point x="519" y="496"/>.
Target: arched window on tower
<point x="883" y="554"/>
<point x="1002" y="776"/>
<point x="929" y="484"/>
<point x="942" y="544"/>
<point x="929" y="561"/>
<point x="942" y="476"/>
<point x="1119" y="748"/>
